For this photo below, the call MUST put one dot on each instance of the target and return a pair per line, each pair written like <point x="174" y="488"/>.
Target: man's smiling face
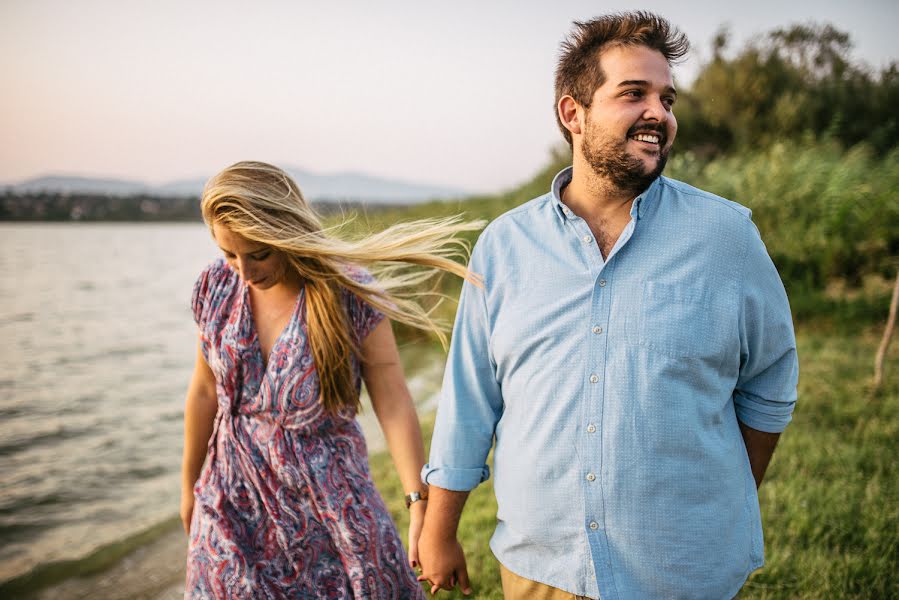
<point x="630" y="127"/>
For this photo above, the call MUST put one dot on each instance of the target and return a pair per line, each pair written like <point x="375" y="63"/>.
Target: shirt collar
<point x="561" y="179"/>
<point x="638" y="208"/>
<point x="644" y="200"/>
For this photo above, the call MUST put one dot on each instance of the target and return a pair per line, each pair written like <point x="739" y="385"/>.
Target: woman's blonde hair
<point x="262" y="203"/>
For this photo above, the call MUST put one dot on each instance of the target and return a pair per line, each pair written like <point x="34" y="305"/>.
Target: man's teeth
<point x="645" y="137"/>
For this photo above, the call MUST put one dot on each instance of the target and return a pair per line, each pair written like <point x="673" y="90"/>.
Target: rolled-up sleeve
<point x="471" y="400"/>
<point x="765" y="393"/>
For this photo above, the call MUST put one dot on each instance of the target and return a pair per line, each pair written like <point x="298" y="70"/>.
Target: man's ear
<point x="570" y="114"/>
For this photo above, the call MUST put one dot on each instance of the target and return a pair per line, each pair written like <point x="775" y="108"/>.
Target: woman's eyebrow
<point x="259" y="250"/>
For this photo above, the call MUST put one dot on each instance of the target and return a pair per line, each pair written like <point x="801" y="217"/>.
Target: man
<point x="632" y="356"/>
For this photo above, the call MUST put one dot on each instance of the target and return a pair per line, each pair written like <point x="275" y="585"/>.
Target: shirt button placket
<point x="596" y="329"/>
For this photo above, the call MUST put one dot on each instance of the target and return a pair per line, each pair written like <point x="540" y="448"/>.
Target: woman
<point x="277" y="497"/>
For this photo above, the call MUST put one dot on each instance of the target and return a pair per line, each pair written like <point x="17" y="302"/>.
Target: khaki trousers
<point x="516" y="587"/>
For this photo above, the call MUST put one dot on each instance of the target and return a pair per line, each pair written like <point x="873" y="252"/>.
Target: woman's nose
<point x="242" y="269"/>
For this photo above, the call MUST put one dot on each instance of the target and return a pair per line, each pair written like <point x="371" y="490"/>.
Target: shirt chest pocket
<point x="680" y="321"/>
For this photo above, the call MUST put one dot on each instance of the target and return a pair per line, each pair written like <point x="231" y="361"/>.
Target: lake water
<point x="97" y="350"/>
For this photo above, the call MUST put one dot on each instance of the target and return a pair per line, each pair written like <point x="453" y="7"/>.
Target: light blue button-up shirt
<point x="613" y="390"/>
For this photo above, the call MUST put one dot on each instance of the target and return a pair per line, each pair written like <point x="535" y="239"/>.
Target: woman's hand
<point x="187" y="507"/>
<point x="416" y="522"/>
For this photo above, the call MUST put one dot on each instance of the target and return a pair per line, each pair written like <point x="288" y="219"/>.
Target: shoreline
<point x="154" y="571"/>
<point x="137" y="566"/>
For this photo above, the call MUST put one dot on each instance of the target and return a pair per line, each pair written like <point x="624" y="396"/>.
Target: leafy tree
<point x="789" y="83"/>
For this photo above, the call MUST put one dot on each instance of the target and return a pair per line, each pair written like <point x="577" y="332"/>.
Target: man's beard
<point x="611" y="161"/>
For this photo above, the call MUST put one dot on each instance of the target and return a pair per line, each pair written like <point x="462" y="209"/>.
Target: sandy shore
<point x="152" y="572"/>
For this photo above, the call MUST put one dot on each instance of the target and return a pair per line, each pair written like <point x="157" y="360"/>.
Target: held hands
<point x="442" y="562"/>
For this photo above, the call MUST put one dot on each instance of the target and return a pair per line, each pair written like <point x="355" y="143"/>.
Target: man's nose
<point x="655" y="109"/>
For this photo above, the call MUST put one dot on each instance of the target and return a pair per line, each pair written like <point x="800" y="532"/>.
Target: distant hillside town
<point x="52" y="206"/>
<point x="73" y="198"/>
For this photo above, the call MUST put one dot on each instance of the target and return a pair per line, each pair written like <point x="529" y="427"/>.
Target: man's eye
<point x="633" y="93"/>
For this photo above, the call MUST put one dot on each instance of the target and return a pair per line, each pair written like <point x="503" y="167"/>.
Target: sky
<point x="448" y="93"/>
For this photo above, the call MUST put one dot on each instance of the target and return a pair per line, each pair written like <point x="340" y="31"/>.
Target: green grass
<point x="830" y="500"/>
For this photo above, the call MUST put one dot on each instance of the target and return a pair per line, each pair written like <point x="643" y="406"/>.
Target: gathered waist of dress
<point x="298" y="424"/>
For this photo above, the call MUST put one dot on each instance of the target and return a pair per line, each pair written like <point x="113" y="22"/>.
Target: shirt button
<point x="594" y="525"/>
<point x="597" y="329"/>
<point x="587" y="239"/>
<point x="591" y="428"/>
<point x="594" y="378"/>
<point x="591" y="477"/>
<point x="602" y="283"/>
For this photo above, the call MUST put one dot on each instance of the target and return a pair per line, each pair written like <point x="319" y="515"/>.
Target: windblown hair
<point x="578" y="72"/>
<point x="261" y="203"/>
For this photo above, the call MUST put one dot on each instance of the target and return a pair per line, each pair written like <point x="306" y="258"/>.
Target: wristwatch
<point x="413" y="497"/>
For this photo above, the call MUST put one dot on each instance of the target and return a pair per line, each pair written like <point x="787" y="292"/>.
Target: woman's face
<point x="259" y="265"/>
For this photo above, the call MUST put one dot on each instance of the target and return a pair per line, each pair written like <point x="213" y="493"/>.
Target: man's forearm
<point x="760" y="447"/>
<point x="442" y="557"/>
<point x="444" y="511"/>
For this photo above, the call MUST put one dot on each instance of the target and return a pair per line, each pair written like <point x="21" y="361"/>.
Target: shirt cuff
<point x="763" y="415"/>
<point x="457" y="480"/>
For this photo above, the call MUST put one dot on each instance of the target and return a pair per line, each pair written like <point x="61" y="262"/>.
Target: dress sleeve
<point x="201" y="300"/>
<point x="363" y="316"/>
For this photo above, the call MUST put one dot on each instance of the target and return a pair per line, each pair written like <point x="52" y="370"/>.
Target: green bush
<point x="823" y="212"/>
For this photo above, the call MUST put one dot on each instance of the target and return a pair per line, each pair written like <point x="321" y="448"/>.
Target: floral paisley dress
<point x="285" y="506"/>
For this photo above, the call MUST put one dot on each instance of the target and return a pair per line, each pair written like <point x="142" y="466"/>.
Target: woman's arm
<point x="386" y="385"/>
<point x="199" y="415"/>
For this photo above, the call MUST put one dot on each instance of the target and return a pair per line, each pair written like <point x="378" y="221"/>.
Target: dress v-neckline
<point x="256" y="343"/>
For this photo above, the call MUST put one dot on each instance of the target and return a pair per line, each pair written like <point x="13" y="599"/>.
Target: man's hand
<point x="442" y="562"/>
<point x="439" y="552"/>
<point x="759" y="447"/>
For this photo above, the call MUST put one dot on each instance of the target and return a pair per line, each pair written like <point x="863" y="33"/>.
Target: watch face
<point x="413" y="497"/>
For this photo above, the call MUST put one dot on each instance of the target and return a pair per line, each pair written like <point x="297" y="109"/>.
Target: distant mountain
<point x="66" y="184"/>
<point x="331" y="187"/>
